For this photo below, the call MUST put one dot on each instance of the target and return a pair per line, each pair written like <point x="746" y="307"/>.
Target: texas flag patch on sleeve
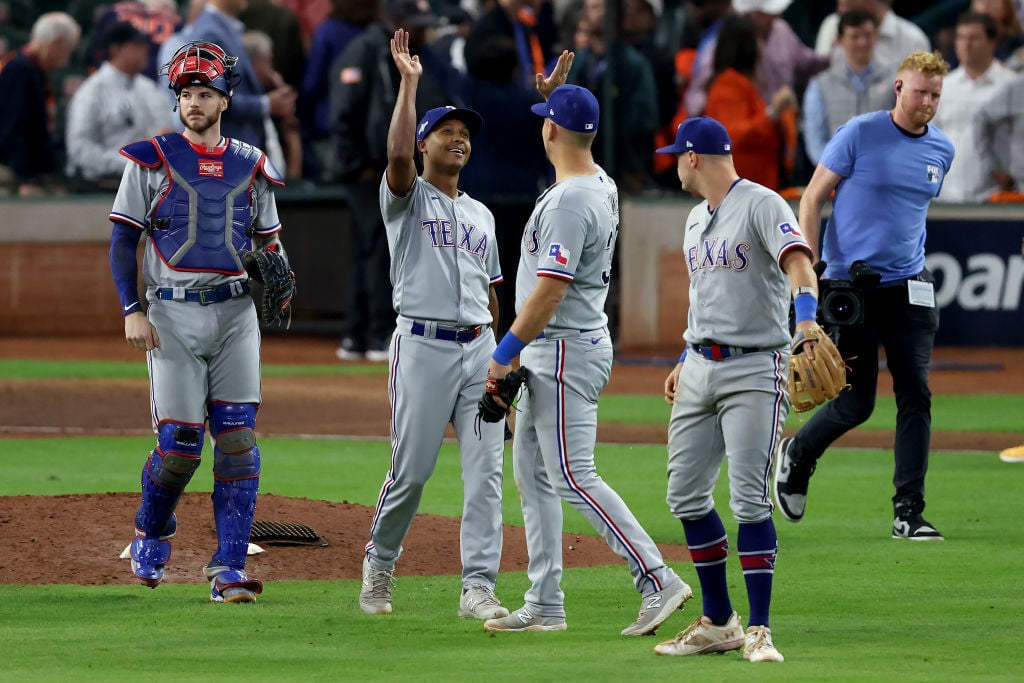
<point x="558" y="254"/>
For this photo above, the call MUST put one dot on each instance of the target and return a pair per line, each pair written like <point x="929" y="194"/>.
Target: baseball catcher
<point x="505" y="390"/>
<point x="270" y="268"/>
<point x="814" y="380"/>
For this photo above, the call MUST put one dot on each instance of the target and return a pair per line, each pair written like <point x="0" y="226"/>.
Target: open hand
<point x="408" y="64"/>
<point x="558" y="75"/>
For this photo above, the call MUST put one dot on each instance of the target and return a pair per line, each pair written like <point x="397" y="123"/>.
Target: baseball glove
<point x="506" y="388"/>
<point x="812" y="382"/>
<point x="269" y="267"/>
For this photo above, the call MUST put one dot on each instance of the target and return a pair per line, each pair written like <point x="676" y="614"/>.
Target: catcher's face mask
<point x="201" y="63"/>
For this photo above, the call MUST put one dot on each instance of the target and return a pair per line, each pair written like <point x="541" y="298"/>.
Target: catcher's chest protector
<point x="207" y="213"/>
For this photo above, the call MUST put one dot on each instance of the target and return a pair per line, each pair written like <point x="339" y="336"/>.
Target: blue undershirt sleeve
<point x="124" y="266"/>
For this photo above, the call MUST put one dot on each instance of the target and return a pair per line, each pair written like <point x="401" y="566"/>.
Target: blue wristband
<point x="509" y="347"/>
<point x="682" y="356"/>
<point x="806" y="307"/>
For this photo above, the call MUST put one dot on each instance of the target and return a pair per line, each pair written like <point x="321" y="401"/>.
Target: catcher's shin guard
<point x="150" y="556"/>
<point x="236" y="472"/>
<point x="167" y="471"/>
<point x="234" y="506"/>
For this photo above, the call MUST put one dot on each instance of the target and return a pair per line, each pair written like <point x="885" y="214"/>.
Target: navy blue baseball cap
<point x="700" y="134"/>
<point x="571" y="107"/>
<point x="435" y="116"/>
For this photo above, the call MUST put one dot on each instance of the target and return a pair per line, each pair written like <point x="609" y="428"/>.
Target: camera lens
<point x="841" y="307"/>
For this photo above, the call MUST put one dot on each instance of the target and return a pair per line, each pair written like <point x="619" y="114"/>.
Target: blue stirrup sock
<point x="709" y="548"/>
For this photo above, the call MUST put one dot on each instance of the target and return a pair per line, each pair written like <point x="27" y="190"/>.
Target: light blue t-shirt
<point x="889" y="179"/>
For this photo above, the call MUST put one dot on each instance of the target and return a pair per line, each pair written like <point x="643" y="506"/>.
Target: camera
<point x="841" y="302"/>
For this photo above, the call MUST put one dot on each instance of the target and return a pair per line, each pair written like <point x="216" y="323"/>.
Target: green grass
<point x="981" y="412"/>
<point x="975" y="413"/>
<point x="850" y="603"/>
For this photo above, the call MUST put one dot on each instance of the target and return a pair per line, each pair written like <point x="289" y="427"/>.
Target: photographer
<point x="885" y="168"/>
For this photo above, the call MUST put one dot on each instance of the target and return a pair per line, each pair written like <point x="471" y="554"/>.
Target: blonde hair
<point x="928" y="64"/>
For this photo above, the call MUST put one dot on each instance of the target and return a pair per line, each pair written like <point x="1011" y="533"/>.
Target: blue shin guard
<point x="234" y="506"/>
<point x="164" y="477"/>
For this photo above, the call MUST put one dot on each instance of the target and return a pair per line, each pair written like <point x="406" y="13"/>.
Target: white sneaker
<point x="375" y="595"/>
<point x="525" y="620"/>
<point x="758" y="647"/>
<point x="479" y="602"/>
<point x="703" y="637"/>
<point x="657" y="607"/>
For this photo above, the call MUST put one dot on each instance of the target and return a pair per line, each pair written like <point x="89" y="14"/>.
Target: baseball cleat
<point x="702" y="637"/>
<point x="791" y="482"/>
<point x="525" y="620"/>
<point x="149" y="556"/>
<point x="657" y="607"/>
<point x="758" y="646"/>
<point x="1015" y="454"/>
<point x="232" y="585"/>
<point x="479" y="602"/>
<point x="375" y="595"/>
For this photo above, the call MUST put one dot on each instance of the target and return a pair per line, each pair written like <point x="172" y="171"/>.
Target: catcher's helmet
<point x="201" y="63"/>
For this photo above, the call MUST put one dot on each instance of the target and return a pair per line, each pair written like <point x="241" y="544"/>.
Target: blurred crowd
<point x="80" y="78"/>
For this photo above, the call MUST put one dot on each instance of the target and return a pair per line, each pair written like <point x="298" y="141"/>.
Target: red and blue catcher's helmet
<point x="201" y="63"/>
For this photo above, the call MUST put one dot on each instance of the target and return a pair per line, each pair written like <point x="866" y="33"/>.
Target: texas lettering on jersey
<point x="716" y="253"/>
<point x="443" y="235"/>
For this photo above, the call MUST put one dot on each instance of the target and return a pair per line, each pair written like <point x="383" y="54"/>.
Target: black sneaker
<point x="791" y="481"/>
<point x="911" y="525"/>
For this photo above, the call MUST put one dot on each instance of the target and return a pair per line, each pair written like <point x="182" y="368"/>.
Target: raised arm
<point x="402" y="134"/>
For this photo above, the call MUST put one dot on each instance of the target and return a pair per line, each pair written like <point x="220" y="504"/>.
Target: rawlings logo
<point x="211" y="168"/>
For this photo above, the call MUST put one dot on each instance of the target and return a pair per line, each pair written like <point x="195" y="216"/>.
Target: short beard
<point x="201" y="126"/>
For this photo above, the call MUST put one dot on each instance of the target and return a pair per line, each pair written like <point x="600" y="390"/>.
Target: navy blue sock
<point x="709" y="548"/>
<point x="758" y="546"/>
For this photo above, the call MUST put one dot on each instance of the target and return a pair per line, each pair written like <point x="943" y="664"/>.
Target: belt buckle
<point x="203" y="300"/>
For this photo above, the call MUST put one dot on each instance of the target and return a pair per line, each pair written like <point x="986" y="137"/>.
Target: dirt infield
<point x="44" y="538"/>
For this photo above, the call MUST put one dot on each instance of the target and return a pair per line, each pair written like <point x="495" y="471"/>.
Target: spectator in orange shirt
<point x="733" y="99"/>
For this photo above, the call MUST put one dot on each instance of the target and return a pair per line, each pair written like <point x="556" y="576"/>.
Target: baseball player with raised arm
<point x="744" y="255"/>
<point x="444" y="266"/>
<point x="202" y="201"/>
<point x="561" y="333"/>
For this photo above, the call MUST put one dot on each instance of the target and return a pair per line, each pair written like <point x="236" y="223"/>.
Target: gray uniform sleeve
<point x="563" y="232"/>
<point x="267" y="220"/>
<point x="777" y="227"/>
<point x="134" y="196"/>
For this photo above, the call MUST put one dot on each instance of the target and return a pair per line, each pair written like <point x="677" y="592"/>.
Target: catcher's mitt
<point x="812" y="382"/>
<point x="270" y="268"/>
<point x="506" y="388"/>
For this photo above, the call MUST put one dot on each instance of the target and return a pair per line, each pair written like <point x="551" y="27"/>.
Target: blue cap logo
<point x="571" y="107"/>
<point x="433" y="117"/>
<point x="700" y="134"/>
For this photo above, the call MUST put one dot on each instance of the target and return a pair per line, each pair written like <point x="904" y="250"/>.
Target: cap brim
<point x="540" y="109"/>
<point x="671" y="149"/>
<point x="469" y="117"/>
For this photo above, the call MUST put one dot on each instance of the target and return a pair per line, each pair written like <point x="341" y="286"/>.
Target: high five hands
<point x="558" y="74"/>
<point x="408" y="64"/>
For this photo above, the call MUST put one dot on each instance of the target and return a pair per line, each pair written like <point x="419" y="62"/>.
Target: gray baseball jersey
<point x="739" y="295"/>
<point x="444" y="258"/>
<point x="734" y="402"/>
<point x="444" y="255"/>
<point x="182" y="381"/>
<point x="571" y="236"/>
